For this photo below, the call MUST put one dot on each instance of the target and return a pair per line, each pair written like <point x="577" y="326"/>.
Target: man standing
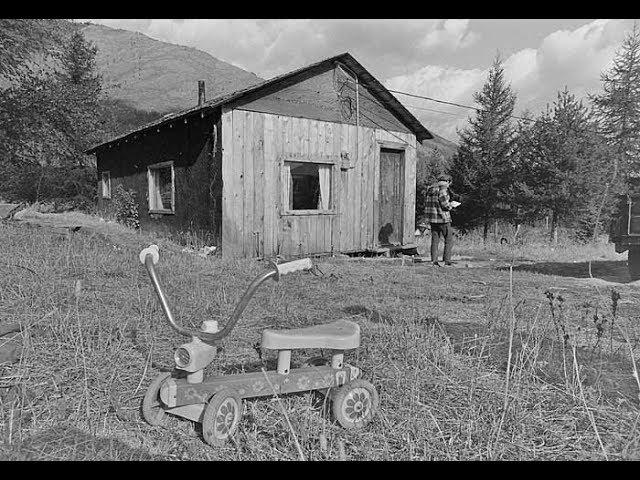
<point x="437" y="211"/>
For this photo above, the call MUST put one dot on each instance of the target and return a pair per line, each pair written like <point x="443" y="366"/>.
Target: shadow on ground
<point x="609" y="373"/>
<point x="69" y="443"/>
<point x="608" y="270"/>
<point x="371" y="315"/>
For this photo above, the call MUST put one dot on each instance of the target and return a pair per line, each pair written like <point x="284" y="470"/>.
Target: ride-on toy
<point x="216" y="401"/>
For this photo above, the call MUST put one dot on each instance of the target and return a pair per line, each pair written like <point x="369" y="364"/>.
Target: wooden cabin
<point x="319" y="160"/>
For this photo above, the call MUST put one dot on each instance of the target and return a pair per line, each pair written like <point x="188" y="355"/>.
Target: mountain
<point x="446" y="147"/>
<point x="154" y="76"/>
<point x="151" y="75"/>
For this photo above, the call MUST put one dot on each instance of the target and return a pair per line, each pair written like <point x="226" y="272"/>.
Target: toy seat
<point x="338" y="335"/>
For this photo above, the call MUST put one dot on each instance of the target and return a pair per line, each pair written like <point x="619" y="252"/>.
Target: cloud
<point x="413" y="55"/>
<point x="271" y="47"/>
<point x="572" y="58"/>
<point x="454" y="33"/>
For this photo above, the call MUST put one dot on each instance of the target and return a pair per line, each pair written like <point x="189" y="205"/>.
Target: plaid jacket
<point x="438" y="206"/>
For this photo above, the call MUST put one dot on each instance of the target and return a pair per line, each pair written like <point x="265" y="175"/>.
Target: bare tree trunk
<point x="485" y="231"/>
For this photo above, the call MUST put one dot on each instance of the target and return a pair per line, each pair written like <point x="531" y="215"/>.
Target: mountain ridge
<point x="155" y="76"/>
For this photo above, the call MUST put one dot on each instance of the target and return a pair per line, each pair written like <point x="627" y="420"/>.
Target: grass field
<point x="514" y="354"/>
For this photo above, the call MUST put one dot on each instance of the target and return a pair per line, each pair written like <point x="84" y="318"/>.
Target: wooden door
<point x="391" y="197"/>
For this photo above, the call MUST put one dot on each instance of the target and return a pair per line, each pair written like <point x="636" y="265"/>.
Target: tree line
<point x="53" y="107"/>
<point x="568" y="163"/>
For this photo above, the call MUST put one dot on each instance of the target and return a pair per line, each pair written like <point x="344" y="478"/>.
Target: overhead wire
<point x="477" y="109"/>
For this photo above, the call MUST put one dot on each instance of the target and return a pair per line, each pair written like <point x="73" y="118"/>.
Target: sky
<point x="447" y="59"/>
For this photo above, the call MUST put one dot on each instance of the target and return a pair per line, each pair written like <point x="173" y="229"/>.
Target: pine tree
<point x="619" y="107"/>
<point x="560" y="164"/>
<point x="482" y="168"/>
<point x="79" y="62"/>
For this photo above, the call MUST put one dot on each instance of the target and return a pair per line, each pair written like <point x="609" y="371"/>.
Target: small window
<point x="106" y="185"/>
<point x="307" y="186"/>
<point x="161" y="188"/>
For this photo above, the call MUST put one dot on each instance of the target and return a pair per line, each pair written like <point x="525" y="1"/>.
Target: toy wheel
<point x="221" y="417"/>
<point x="152" y="410"/>
<point x="355" y="403"/>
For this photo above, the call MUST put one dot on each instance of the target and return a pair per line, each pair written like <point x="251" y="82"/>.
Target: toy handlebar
<point x="150" y="256"/>
<point x="293" y="266"/>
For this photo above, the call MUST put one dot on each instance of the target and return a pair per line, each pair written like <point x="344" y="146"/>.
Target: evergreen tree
<point x="482" y="168"/>
<point x="560" y="164"/>
<point x="619" y="108"/>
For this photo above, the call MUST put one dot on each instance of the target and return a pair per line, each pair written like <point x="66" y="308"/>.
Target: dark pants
<point x="444" y="231"/>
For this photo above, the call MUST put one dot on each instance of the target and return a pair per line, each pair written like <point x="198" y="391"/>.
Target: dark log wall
<point x="195" y="149"/>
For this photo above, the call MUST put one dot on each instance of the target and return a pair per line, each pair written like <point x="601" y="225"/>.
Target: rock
<point x="10" y="348"/>
<point x="11" y="342"/>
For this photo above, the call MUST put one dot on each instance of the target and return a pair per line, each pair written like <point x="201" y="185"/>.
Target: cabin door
<point x="391" y="197"/>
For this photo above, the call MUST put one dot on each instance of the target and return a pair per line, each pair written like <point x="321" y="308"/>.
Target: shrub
<point x="126" y="207"/>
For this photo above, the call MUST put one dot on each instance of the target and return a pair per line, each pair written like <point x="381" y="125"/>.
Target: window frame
<point x="284" y="202"/>
<point x="107" y="193"/>
<point x="151" y="187"/>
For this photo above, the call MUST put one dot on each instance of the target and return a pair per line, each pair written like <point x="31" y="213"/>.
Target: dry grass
<point x="470" y="363"/>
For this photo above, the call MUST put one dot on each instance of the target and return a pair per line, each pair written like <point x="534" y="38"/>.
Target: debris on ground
<point x="202" y="252"/>
<point x="8" y="210"/>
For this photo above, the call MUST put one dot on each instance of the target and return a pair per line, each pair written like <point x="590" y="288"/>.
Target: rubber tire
<point x="342" y="395"/>
<point x="633" y="262"/>
<point x="152" y="410"/>
<point x="211" y="411"/>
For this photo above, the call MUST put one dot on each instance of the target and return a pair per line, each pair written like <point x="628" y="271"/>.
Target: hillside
<point x="151" y="75"/>
<point x="145" y="78"/>
<point x="447" y="147"/>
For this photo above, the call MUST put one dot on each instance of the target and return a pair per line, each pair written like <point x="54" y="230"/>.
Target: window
<point x="106" y="184"/>
<point x="161" y="188"/>
<point x="307" y="186"/>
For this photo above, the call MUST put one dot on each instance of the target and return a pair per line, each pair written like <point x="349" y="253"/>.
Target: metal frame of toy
<point x="216" y="402"/>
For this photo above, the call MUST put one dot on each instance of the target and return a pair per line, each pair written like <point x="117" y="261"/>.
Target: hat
<point x="444" y="177"/>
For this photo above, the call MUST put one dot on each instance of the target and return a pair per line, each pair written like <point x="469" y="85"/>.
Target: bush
<point x="126" y="207"/>
<point x="66" y="187"/>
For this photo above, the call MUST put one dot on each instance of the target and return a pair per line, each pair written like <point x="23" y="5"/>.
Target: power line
<point x="477" y="109"/>
<point x="481" y="109"/>
<point x="432" y="110"/>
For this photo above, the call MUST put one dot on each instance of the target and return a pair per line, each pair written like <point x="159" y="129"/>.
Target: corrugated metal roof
<point x="364" y="77"/>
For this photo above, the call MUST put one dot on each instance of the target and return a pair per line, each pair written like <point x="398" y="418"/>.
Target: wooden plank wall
<point x="254" y="147"/>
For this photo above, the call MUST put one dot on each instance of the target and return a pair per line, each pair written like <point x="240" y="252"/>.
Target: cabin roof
<point x="384" y="96"/>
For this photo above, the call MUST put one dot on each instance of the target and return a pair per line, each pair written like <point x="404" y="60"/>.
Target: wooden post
<point x="201" y="95"/>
